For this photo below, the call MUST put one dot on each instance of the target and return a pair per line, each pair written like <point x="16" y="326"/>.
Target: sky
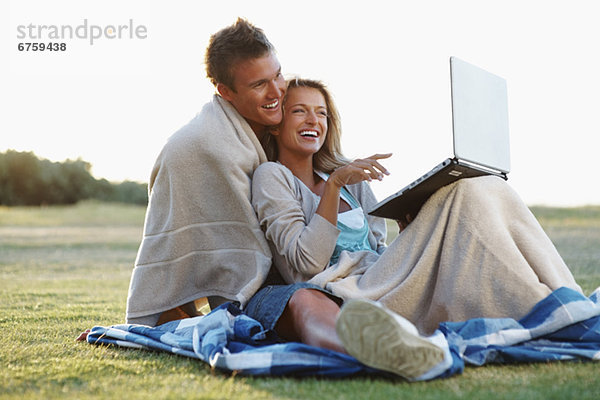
<point x="133" y="73"/>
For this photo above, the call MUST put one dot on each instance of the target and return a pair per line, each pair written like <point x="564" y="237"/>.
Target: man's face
<point x="259" y="89"/>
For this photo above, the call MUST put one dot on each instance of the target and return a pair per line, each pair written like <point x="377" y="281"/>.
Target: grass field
<point x="65" y="269"/>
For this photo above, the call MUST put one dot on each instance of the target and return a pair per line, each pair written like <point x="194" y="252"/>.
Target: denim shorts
<point x="267" y="305"/>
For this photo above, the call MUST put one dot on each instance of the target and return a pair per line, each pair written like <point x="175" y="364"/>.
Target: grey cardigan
<point x="302" y="241"/>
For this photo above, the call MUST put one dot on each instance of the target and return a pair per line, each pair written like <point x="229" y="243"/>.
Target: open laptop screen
<point x="479" y="116"/>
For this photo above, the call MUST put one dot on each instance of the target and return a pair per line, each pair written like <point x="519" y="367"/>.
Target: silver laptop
<point x="481" y="142"/>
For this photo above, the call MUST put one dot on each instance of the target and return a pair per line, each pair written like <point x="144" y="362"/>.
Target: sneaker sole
<point x="374" y="337"/>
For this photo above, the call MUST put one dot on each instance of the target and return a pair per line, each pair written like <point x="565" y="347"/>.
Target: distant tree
<point x="27" y="180"/>
<point x="19" y="178"/>
<point x="131" y="192"/>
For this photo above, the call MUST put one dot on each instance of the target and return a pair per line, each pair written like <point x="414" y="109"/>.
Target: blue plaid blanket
<point x="563" y="326"/>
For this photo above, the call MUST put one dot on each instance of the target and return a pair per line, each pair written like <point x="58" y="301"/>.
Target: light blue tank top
<point x="354" y="235"/>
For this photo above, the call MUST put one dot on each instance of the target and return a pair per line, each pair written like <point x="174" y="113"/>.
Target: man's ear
<point x="224" y="91"/>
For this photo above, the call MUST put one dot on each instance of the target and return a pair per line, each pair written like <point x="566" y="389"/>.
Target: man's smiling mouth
<point x="272" y="105"/>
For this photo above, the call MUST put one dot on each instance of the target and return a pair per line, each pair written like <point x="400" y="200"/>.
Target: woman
<point x="474" y="249"/>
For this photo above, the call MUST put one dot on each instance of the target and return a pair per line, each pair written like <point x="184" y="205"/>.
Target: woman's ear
<point x="274" y="131"/>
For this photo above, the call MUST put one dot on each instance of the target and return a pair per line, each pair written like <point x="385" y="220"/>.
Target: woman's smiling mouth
<point x="309" y="133"/>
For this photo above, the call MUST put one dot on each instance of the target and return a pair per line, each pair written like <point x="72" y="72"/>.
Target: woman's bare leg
<point x="310" y="318"/>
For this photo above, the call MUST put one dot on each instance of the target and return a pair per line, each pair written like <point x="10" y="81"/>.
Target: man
<point x="201" y="236"/>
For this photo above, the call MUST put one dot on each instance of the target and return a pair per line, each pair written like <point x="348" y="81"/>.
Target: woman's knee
<point x="482" y="188"/>
<point x="313" y="300"/>
<point x="480" y="184"/>
<point x="306" y="309"/>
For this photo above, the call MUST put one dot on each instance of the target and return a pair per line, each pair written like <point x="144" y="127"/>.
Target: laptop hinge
<point x="492" y="171"/>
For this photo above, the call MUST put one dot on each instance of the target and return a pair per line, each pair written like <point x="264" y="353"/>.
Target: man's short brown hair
<point x="238" y="42"/>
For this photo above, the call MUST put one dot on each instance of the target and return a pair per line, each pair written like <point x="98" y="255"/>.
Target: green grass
<point x="65" y="269"/>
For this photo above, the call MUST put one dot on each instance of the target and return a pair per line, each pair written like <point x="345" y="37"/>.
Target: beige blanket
<point x="474" y="250"/>
<point x="201" y="235"/>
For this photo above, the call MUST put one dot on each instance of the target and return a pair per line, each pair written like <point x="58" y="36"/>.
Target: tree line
<point x="26" y="180"/>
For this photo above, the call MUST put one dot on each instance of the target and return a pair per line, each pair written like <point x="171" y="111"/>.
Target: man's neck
<point x="258" y="129"/>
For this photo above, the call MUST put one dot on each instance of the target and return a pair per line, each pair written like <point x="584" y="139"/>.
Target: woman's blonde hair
<point x="329" y="156"/>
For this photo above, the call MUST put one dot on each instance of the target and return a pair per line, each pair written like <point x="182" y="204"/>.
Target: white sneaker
<point x="384" y="340"/>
